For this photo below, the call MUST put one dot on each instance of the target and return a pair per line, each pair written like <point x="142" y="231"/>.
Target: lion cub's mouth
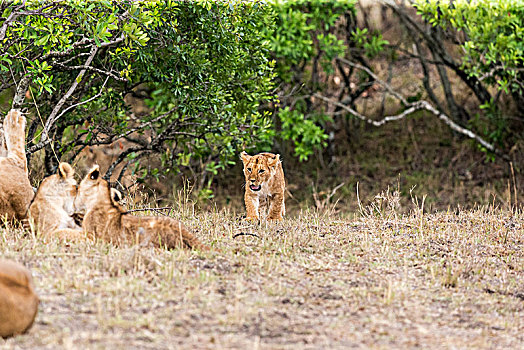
<point x="255" y="188"/>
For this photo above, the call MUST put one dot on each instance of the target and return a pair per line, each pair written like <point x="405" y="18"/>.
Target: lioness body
<point x="18" y="300"/>
<point x="264" y="181"/>
<point x="53" y="206"/>
<point x="105" y="219"/>
<point x="15" y="189"/>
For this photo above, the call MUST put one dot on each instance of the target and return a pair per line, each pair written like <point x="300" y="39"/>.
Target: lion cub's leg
<point x="68" y="234"/>
<point x="252" y="204"/>
<point x="277" y="207"/>
<point x="3" y="149"/>
<point x="14" y="133"/>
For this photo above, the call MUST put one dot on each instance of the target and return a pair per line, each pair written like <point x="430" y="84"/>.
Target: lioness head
<point x="60" y="186"/>
<point x="92" y="189"/>
<point x="259" y="168"/>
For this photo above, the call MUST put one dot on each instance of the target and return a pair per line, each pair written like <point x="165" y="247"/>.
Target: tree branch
<point x="94" y="69"/>
<point x="53" y="116"/>
<point x="12" y="17"/>
<point x="473" y="83"/>
<point x="412" y="107"/>
<point x="21" y="89"/>
<point x="377" y="79"/>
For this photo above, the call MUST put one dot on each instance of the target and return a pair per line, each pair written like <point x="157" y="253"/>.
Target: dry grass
<point x="383" y="280"/>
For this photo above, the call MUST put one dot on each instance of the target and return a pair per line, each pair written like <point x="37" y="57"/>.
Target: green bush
<point x="490" y="35"/>
<point x="205" y="64"/>
<point x="304" y="43"/>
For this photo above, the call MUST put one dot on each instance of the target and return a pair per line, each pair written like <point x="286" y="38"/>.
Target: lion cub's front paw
<point x="14" y="122"/>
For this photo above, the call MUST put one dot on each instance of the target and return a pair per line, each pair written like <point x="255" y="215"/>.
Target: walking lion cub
<point x="264" y="181"/>
<point x="105" y="219"/>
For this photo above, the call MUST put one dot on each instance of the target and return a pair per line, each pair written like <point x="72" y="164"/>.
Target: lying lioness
<point x="105" y="219"/>
<point x="18" y="301"/>
<point x="51" y="210"/>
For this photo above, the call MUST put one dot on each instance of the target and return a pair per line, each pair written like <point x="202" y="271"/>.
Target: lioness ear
<point x="274" y="160"/>
<point x="116" y="196"/>
<point x="94" y="173"/>
<point x="245" y="157"/>
<point x="65" y="170"/>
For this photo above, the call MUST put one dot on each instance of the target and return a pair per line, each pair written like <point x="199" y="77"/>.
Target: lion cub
<point x="53" y="205"/>
<point x="264" y="180"/>
<point x="106" y="219"/>
<point x="18" y="300"/>
<point x="15" y="189"/>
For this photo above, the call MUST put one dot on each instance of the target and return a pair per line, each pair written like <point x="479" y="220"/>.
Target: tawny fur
<point x="105" y="219"/>
<point x="51" y="210"/>
<point x="264" y="181"/>
<point x="18" y="300"/>
<point x="15" y="189"/>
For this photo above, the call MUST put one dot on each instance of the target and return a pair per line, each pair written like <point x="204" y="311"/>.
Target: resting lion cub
<point x="18" y="300"/>
<point x="15" y="190"/>
<point x="53" y="205"/>
<point x="106" y="219"/>
<point x="264" y="180"/>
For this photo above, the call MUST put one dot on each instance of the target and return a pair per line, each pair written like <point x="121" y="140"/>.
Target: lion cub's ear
<point x="94" y="173"/>
<point x="273" y="161"/>
<point x="116" y="196"/>
<point x="245" y="157"/>
<point x="65" y="170"/>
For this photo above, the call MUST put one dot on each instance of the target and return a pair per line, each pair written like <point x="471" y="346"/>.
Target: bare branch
<point x="94" y="69"/>
<point x="377" y="79"/>
<point x="75" y="45"/>
<point x="413" y="107"/>
<point x="497" y="68"/>
<point x="122" y="156"/>
<point x="141" y="126"/>
<point x="363" y="117"/>
<point x="53" y="116"/>
<point x="473" y="83"/>
<point x="425" y="80"/>
<point x="151" y="209"/>
<point x="111" y="43"/>
<point x="84" y="102"/>
<point x="18" y="99"/>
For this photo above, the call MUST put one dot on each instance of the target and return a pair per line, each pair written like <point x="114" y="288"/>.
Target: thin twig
<point x="53" y="116"/>
<point x="84" y="102"/>
<point x="412" y="107"/>
<point x="246" y="234"/>
<point x="150" y="209"/>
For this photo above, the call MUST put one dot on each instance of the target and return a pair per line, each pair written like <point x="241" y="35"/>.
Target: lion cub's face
<point x="89" y="190"/>
<point x="94" y="190"/>
<point x="60" y="187"/>
<point x="258" y="169"/>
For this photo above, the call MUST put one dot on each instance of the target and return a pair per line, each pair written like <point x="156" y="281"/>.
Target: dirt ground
<point x="447" y="280"/>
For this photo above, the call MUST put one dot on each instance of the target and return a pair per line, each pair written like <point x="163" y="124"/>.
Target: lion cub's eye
<point x="249" y="169"/>
<point x="261" y="171"/>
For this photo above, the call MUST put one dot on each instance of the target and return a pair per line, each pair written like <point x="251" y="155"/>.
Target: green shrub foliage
<point x="220" y="76"/>
<point x="204" y="65"/>
<point x="490" y="35"/>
